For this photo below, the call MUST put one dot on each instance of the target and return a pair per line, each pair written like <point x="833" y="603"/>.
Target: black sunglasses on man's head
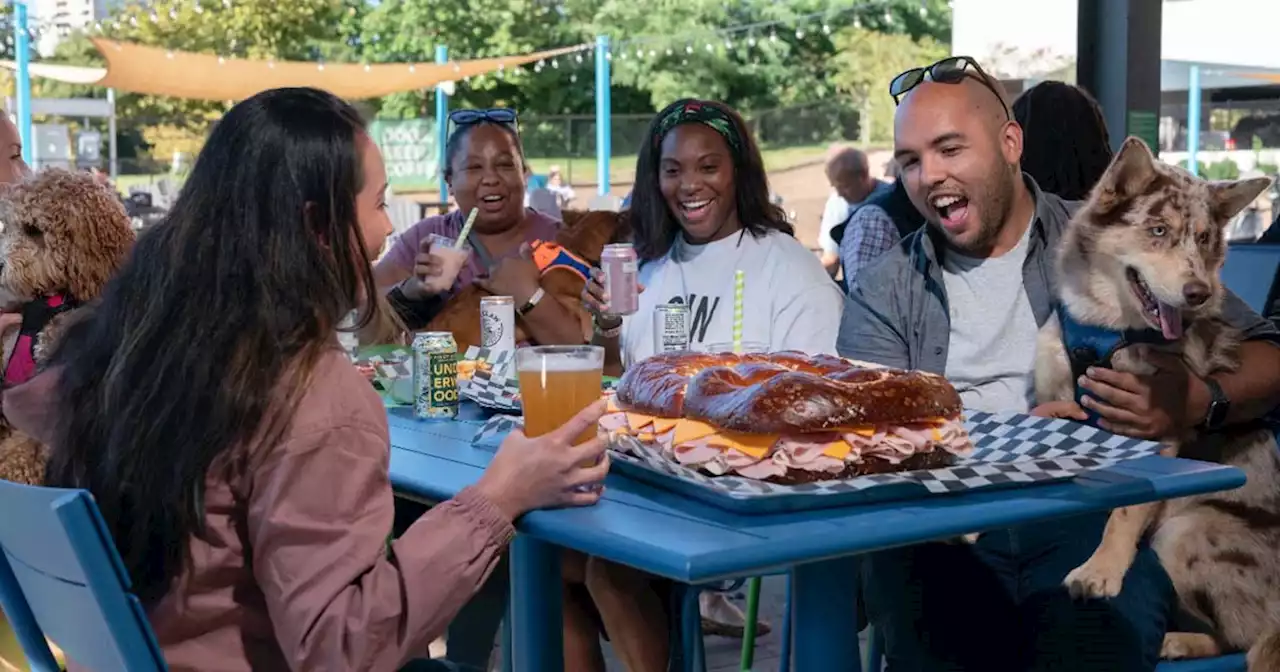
<point x="951" y="70"/>
<point x="497" y="115"/>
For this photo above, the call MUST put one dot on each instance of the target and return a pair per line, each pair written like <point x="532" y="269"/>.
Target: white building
<point x="57" y="18"/>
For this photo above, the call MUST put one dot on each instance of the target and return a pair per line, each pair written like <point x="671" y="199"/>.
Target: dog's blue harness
<point x="1089" y="345"/>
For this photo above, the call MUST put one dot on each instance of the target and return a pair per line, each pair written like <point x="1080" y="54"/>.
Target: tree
<point x="867" y="61"/>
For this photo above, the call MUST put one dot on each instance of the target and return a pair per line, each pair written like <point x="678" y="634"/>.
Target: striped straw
<point x="739" y="282"/>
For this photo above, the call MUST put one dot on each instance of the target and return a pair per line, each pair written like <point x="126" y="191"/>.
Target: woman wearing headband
<point x="485" y="169"/>
<point x="701" y="212"/>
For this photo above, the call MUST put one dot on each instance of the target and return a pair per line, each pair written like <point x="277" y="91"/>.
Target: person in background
<point x="965" y="297"/>
<point x="700" y="212"/>
<point x="851" y="184"/>
<point x="238" y="458"/>
<point x="556" y="185"/>
<point x="1065" y="144"/>
<point x="873" y="227"/>
<point x="485" y="170"/>
<point x="12" y="165"/>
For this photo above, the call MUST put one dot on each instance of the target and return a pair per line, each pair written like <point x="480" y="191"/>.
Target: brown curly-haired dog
<point x="64" y="236"/>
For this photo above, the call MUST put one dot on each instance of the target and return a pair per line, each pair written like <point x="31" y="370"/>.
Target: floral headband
<point x="694" y="111"/>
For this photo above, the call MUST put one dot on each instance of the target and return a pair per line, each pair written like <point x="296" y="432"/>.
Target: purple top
<point x="402" y="252"/>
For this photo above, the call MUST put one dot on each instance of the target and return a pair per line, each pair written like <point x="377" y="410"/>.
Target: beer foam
<point x="557" y="362"/>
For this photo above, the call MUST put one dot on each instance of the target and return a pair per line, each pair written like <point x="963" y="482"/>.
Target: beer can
<point x="435" y="375"/>
<point x="621" y="276"/>
<point x="671" y="324"/>
<point x="498" y="323"/>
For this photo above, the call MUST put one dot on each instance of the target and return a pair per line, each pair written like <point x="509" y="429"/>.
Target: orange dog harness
<point x="550" y="256"/>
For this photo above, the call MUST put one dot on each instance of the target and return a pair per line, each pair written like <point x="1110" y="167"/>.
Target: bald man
<point x="851" y="184"/>
<point x="12" y="167"/>
<point x="965" y="297"/>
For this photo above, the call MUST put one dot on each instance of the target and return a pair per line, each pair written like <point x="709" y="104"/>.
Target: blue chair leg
<point x="507" y="665"/>
<point x="784" y="649"/>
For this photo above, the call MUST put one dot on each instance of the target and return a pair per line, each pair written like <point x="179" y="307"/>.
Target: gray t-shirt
<point x="992" y="349"/>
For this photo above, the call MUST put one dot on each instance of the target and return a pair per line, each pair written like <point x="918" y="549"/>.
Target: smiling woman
<point x="485" y="170"/>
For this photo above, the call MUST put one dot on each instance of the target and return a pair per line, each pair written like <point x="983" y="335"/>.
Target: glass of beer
<point x="556" y="382"/>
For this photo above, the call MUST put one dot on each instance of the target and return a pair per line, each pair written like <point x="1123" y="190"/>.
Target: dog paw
<point x="1094" y="579"/>
<point x="1180" y="645"/>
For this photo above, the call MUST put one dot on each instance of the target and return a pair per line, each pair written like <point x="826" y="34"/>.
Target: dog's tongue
<point x="1170" y="321"/>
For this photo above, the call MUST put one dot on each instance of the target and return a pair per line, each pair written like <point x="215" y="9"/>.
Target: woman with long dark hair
<point x="238" y="458"/>
<point x="1065" y="144"/>
<point x="701" y="211"/>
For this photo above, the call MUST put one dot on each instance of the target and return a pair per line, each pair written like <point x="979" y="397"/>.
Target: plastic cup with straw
<point x="453" y="255"/>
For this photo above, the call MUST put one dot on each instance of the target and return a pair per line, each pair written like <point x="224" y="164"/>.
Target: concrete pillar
<point x="1118" y="61"/>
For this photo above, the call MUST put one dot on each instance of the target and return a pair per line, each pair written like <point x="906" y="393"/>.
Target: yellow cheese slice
<point x="663" y="425"/>
<point x="638" y="421"/>
<point x="647" y="437"/>
<point x="937" y="435"/>
<point x="692" y="430"/>
<point x="867" y="431"/>
<point x="755" y="445"/>
<point x="612" y="405"/>
<point x="837" y="449"/>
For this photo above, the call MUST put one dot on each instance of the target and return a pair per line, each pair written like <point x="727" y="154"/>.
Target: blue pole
<point x="442" y="124"/>
<point x="1193" y="120"/>
<point x="22" y="93"/>
<point x="604" y="115"/>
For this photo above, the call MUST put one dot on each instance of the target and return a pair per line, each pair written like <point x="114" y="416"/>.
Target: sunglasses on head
<point x="497" y="115"/>
<point x="952" y="70"/>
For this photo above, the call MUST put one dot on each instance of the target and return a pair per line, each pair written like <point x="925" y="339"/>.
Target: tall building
<point x="56" y="19"/>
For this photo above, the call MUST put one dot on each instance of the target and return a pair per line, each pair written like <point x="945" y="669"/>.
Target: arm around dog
<point x="1254" y="388"/>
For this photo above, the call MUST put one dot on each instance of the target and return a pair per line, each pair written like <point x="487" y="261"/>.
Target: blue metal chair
<point x="690" y="656"/>
<point x="1251" y="271"/>
<point x="66" y="565"/>
<point x="23" y="622"/>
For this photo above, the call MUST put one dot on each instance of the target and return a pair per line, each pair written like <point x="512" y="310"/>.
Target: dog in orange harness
<point x="564" y="264"/>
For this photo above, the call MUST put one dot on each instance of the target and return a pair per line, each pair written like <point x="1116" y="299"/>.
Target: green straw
<point x="739" y="282"/>
<point x="466" y="229"/>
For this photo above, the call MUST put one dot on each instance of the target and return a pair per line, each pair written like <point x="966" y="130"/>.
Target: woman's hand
<point x="595" y="299"/>
<point x="516" y="277"/>
<point x="425" y="266"/>
<point x="547" y="471"/>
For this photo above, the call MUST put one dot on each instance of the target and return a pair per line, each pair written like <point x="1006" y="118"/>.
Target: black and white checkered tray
<point x="497" y="389"/>
<point x="1011" y="450"/>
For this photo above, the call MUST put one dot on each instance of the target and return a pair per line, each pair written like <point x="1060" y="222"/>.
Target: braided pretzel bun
<point x="783" y="393"/>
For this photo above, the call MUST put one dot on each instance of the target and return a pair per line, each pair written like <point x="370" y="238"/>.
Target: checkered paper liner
<point x="497" y="389"/>
<point x="1010" y="450"/>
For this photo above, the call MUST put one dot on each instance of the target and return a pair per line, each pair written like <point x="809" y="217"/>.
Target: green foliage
<point x="1226" y="169"/>
<point x="868" y="60"/>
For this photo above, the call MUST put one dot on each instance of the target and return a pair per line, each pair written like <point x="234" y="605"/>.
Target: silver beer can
<point x="671" y="324"/>
<point x="435" y="375"/>
<point x="498" y="323"/>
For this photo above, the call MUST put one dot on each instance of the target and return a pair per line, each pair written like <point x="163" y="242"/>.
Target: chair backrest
<point x="537" y="182"/>
<point x="1250" y="271"/>
<point x="66" y="564"/>
<point x="545" y="202"/>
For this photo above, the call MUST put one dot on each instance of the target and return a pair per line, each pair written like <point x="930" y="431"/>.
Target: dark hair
<point x="656" y="228"/>
<point x="206" y="338"/>
<point x="453" y="144"/>
<point x="1066" y="148"/>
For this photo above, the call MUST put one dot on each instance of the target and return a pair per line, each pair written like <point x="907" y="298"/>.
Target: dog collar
<point x="1090" y="345"/>
<point x="36" y="315"/>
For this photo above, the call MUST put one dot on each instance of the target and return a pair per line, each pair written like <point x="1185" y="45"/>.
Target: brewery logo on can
<point x="435" y="375"/>
<point x="498" y="323"/>
<point x="671" y="322"/>
<point x="621" y="278"/>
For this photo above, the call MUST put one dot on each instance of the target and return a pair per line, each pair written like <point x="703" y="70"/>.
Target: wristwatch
<point x="610" y="332"/>
<point x="531" y="303"/>
<point x="1219" y="406"/>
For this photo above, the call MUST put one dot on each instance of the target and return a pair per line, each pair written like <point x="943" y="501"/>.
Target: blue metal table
<point x="671" y="536"/>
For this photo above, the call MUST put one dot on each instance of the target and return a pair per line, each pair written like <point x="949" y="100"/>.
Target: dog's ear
<point x="1131" y="172"/>
<point x="1229" y="197"/>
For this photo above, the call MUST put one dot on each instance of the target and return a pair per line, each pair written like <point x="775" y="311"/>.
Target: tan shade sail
<point x="157" y="71"/>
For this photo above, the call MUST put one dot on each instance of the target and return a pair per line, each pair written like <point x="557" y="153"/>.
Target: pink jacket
<point x="322" y="591"/>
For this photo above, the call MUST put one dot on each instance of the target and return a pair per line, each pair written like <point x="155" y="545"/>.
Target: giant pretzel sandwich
<point x="786" y="417"/>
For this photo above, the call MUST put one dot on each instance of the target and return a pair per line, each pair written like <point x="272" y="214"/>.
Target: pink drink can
<point x="621" y="278"/>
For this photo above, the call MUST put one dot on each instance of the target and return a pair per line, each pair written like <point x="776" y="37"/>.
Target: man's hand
<point x="1157" y="406"/>
<point x="1067" y="410"/>
<point x="516" y="277"/>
